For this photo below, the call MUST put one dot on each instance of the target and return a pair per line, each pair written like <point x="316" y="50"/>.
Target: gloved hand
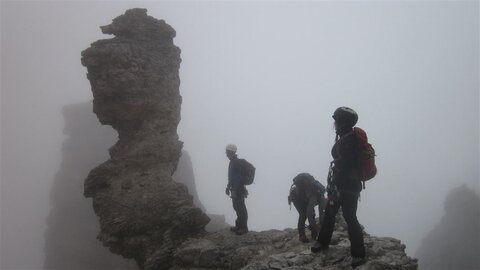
<point x="227" y="191"/>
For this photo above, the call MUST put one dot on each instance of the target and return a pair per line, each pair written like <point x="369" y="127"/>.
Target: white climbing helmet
<point x="231" y="147"/>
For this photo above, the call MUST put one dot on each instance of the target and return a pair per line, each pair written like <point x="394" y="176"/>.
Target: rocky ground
<point x="276" y="249"/>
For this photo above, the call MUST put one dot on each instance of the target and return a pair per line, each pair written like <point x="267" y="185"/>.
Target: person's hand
<point x="227" y="191"/>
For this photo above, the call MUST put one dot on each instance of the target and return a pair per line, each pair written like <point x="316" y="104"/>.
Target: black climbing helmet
<point x="345" y="116"/>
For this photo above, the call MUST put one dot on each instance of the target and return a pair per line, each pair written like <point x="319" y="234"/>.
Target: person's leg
<point x="328" y="224"/>
<point x="355" y="233"/>
<point x="321" y="208"/>
<point x="302" y="217"/>
<point x="242" y="214"/>
<point x="326" y="230"/>
<point x="236" y="207"/>
<point x="312" y="224"/>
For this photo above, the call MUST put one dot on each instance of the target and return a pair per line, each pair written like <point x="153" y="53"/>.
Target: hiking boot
<point x="303" y="239"/>
<point x="357" y="261"/>
<point x="317" y="247"/>
<point x="241" y="231"/>
<point x="233" y="229"/>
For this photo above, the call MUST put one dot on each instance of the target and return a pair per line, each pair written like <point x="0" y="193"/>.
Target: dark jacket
<point x="345" y="155"/>
<point x="235" y="174"/>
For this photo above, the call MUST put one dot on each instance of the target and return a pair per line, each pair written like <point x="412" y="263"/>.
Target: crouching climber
<point x="306" y="193"/>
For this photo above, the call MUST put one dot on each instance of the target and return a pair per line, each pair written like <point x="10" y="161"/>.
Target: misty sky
<point x="266" y="76"/>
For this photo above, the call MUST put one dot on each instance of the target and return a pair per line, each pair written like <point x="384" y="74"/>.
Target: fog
<point x="266" y="76"/>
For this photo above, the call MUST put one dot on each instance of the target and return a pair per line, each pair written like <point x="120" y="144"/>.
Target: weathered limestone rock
<point x="134" y="78"/>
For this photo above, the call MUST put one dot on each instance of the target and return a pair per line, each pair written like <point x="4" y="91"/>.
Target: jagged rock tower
<point x="135" y="83"/>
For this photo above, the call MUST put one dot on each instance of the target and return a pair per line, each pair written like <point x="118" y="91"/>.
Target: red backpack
<point x="368" y="169"/>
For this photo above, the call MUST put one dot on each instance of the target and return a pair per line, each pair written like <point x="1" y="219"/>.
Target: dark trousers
<point x="303" y="215"/>
<point x="238" y="200"/>
<point x="348" y="201"/>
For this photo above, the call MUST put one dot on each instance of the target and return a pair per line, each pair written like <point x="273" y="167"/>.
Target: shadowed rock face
<point x="135" y="84"/>
<point x="72" y="226"/>
<point x="454" y="243"/>
<point x="184" y="175"/>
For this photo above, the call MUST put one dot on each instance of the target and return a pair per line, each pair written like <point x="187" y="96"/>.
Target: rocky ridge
<point x="143" y="213"/>
<point x="281" y="249"/>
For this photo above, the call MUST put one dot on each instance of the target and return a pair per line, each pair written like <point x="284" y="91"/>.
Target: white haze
<point x="265" y="76"/>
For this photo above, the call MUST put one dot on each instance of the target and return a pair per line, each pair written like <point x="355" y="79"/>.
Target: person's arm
<point x="229" y="182"/>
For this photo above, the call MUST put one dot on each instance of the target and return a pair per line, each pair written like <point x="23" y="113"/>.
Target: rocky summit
<point x="143" y="213"/>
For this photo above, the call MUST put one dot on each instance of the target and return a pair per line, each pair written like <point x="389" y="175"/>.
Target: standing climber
<point x="306" y="193"/>
<point x="236" y="190"/>
<point x="344" y="187"/>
